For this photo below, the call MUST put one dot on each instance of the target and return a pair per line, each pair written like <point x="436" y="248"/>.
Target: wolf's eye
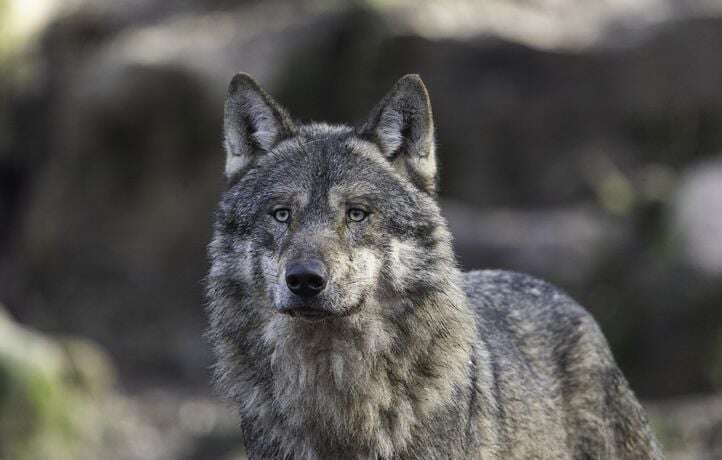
<point x="357" y="215"/>
<point x="282" y="215"/>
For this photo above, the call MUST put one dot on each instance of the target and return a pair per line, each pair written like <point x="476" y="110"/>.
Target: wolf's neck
<point x="373" y="378"/>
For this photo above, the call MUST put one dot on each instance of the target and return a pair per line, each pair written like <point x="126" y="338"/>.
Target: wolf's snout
<point x="306" y="279"/>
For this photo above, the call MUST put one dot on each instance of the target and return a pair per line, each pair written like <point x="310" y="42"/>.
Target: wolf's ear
<point x="403" y="128"/>
<point x="253" y="123"/>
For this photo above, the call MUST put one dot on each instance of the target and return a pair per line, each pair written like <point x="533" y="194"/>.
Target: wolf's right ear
<point x="253" y="123"/>
<point x="403" y="128"/>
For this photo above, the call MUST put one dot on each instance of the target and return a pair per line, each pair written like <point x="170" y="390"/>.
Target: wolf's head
<point x="320" y="221"/>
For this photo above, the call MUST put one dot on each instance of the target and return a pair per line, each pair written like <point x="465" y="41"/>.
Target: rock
<point x="47" y="393"/>
<point x="697" y="217"/>
<point x="577" y="238"/>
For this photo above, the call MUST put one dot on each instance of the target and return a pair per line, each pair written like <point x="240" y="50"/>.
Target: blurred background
<point x="579" y="140"/>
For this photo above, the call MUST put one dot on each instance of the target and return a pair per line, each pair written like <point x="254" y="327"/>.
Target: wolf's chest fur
<point x="349" y="387"/>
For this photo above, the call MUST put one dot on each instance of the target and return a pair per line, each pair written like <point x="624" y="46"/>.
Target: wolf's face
<point x="319" y="222"/>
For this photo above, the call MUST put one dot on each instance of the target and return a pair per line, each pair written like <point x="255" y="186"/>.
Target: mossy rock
<point x="47" y="393"/>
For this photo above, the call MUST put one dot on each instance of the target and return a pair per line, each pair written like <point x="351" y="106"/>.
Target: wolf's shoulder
<point x="518" y="306"/>
<point x="517" y="291"/>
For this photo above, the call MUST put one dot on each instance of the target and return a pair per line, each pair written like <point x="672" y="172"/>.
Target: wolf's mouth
<point x="315" y="314"/>
<point x="311" y="314"/>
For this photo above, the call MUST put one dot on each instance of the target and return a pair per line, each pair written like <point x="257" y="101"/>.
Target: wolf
<point x="343" y="327"/>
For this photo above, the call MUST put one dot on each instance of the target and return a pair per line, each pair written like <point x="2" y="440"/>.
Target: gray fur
<point x="417" y="360"/>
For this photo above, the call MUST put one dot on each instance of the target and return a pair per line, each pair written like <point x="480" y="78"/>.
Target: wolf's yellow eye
<point x="357" y="215"/>
<point x="282" y="215"/>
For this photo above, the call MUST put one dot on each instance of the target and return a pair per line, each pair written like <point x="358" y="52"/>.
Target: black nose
<point x="306" y="279"/>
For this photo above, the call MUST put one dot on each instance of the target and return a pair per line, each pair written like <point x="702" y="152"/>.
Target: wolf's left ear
<point x="403" y="128"/>
<point x="253" y="123"/>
